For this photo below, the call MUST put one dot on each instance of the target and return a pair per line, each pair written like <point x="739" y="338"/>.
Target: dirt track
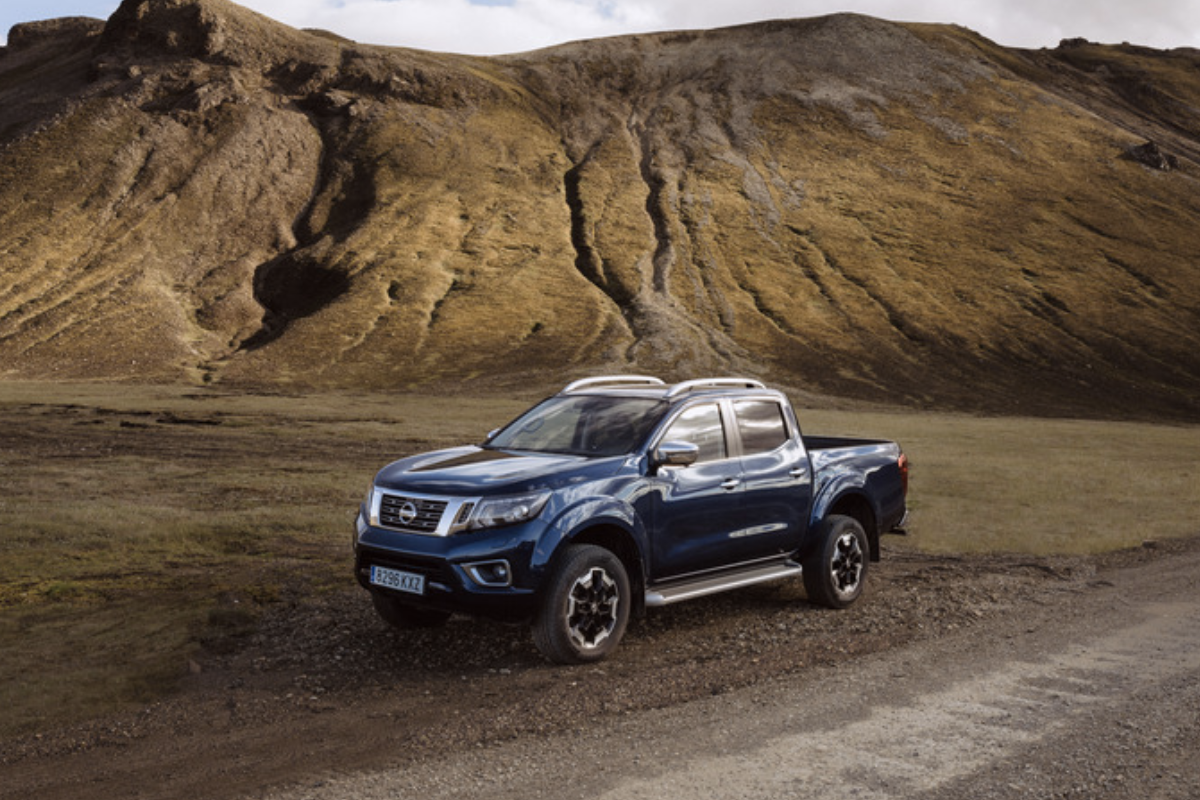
<point x="1093" y="698"/>
<point x="1007" y="677"/>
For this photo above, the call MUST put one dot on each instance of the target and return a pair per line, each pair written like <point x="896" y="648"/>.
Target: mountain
<point x="847" y="206"/>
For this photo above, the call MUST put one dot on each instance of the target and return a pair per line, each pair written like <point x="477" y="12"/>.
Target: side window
<point x="701" y="426"/>
<point x="761" y="425"/>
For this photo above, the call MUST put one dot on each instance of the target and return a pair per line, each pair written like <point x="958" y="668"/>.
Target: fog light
<point x="493" y="574"/>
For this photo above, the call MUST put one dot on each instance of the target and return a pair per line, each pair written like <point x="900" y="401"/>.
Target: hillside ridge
<point x="843" y="205"/>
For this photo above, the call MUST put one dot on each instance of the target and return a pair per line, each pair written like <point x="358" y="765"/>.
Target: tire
<point x="836" y="571"/>
<point x="585" y="607"/>
<point x="400" y="615"/>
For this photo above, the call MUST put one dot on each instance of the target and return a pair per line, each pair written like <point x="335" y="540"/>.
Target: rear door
<point x="776" y="479"/>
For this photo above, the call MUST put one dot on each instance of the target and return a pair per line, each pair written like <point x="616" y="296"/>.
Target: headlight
<point x="495" y="511"/>
<point x="363" y="519"/>
<point x="368" y="501"/>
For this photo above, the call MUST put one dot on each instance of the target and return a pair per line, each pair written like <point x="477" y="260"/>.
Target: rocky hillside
<point x="191" y="191"/>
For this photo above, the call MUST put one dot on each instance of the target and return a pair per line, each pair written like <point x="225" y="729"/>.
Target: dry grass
<point x="138" y="523"/>
<point x="1038" y="486"/>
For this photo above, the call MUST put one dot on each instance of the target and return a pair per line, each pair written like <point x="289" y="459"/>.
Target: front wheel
<point x="836" y="570"/>
<point x="585" y="608"/>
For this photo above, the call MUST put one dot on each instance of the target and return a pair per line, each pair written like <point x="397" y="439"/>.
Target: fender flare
<point x="835" y="493"/>
<point x="589" y="514"/>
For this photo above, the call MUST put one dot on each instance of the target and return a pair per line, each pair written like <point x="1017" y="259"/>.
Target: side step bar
<point x="712" y="584"/>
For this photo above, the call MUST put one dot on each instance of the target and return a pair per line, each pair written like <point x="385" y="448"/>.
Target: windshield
<point x="584" y="425"/>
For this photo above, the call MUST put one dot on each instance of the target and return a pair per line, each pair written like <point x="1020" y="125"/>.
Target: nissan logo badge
<point x="407" y="513"/>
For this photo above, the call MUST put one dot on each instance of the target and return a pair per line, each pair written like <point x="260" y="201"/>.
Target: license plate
<point x="398" y="580"/>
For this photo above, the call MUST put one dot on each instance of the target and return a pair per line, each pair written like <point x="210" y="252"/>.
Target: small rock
<point x="1151" y="155"/>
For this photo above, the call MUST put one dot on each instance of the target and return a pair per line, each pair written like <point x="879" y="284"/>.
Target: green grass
<point x="138" y="521"/>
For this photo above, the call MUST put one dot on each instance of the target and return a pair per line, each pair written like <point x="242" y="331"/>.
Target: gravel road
<point x="1093" y="695"/>
<point x="955" y="677"/>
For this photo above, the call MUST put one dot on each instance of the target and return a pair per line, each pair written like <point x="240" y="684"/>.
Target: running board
<point x="699" y="587"/>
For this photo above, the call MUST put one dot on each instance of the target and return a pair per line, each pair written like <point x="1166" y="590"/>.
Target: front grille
<point x="411" y="513"/>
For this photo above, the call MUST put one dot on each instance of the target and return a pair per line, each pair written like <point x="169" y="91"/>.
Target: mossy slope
<point x="845" y="205"/>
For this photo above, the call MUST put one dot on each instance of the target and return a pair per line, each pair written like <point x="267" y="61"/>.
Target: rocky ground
<point x="321" y="688"/>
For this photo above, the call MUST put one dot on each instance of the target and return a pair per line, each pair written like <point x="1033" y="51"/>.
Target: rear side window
<point x="761" y="425"/>
<point x="701" y="426"/>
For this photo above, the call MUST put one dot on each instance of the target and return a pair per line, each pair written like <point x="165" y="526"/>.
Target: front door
<point x="696" y="509"/>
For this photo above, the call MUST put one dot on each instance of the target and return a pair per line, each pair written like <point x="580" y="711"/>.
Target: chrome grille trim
<point x="411" y="513"/>
<point x="465" y="514"/>
<point x="427" y="515"/>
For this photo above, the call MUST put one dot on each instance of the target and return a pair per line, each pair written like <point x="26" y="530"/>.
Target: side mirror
<point x="492" y="434"/>
<point x="676" y="454"/>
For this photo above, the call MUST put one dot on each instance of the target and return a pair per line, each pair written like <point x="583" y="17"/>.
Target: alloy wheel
<point x="847" y="564"/>
<point x="592" y="608"/>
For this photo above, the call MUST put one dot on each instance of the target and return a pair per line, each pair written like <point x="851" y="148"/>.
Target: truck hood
<point x="467" y="471"/>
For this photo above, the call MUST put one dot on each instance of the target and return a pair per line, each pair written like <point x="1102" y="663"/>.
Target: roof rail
<point x="714" y="383"/>
<point x="637" y="380"/>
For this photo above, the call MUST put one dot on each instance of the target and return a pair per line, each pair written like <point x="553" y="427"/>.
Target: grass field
<point x="139" y="522"/>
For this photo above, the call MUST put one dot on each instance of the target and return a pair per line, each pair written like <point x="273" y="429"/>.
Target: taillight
<point x="902" y="463"/>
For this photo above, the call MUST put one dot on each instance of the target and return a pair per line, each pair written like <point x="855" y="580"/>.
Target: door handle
<point x="798" y="472"/>
<point x="729" y="484"/>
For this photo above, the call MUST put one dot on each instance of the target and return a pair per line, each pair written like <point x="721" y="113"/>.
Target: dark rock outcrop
<point x="1152" y="156"/>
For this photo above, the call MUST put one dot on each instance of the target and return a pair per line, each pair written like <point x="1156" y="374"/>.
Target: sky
<point x="489" y="27"/>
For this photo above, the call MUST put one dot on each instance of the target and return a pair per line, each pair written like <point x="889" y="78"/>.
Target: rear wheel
<point x="585" y="608"/>
<point x="836" y="570"/>
<point x="401" y="615"/>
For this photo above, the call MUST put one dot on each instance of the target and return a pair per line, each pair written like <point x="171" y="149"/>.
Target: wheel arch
<point x="623" y="545"/>
<point x="858" y="507"/>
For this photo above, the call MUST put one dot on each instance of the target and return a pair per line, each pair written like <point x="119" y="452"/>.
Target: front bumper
<point x="458" y="570"/>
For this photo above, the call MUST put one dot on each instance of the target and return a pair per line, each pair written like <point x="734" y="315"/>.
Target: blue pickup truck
<point x="621" y="493"/>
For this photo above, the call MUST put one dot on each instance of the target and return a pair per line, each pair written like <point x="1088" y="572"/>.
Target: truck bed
<point x="835" y="452"/>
